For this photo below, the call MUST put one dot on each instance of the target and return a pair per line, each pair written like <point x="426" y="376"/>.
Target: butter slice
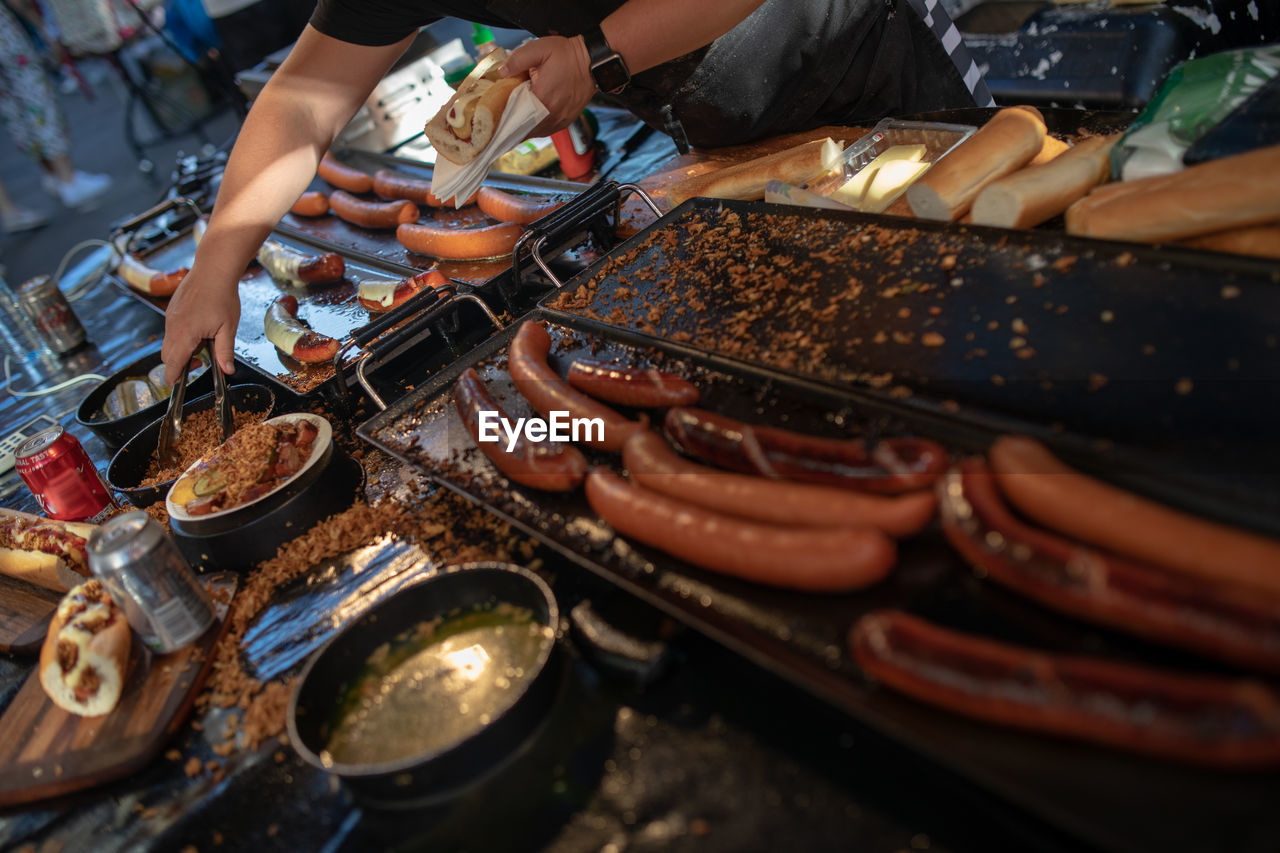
<point x="891" y="181"/>
<point x="856" y="190"/>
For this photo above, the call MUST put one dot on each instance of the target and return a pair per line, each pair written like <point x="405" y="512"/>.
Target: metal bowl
<point x="117" y="431"/>
<point x="129" y="466"/>
<point x="514" y="713"/>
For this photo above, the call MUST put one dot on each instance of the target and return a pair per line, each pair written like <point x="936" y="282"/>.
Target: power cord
<point x="79" y="290"/>
<point x="52" y="389"/>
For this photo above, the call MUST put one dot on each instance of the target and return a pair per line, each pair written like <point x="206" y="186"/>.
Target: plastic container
<point x="929" y="140"/>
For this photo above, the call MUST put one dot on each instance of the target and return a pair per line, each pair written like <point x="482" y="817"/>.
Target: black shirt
<point x="791" y="65"/>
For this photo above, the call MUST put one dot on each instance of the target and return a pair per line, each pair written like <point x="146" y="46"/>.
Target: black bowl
<point x="116" y="432"/>
<point x="238" y="541"/>
<point x="421" y="778"/>
<point x="129" y="466"/>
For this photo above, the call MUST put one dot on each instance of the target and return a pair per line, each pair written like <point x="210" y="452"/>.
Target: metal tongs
<point x="171" y="426"/>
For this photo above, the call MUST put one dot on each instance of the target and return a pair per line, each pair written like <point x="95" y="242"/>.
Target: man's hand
<point x="193" y="314"/>
<point x="560" y="76"/>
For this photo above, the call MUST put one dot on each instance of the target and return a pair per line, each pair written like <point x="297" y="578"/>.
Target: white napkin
<point x="523" y="112"/>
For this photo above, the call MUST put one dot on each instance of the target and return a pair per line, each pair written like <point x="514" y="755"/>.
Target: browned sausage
<point x="1199" y="719"/>
<point x="291" y="337"/>
<point x="1136" y="598"/>
<point x="383" y="294"/>
<point x="651" y="463"/>
<point x="343" y="176"/>
<point x="147" y="280"/>
<point x="372" y="214"/>
<point x="313" y="203"/>
<point x="1059" y="497"/>
<point x="547" y="392"/>
<point x="825" y="560"/>
<point x="505" y="207"/>
<point x="893" y="465"/>
<point x="460" y="243"/>
<point x="631" y="386"/>
<point x="389" y="185"/>
<point x="542" y="465"/>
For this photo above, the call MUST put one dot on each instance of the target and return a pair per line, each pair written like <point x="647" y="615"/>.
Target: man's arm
<point x="300" y="111"/>
<point x="644" y="32"/>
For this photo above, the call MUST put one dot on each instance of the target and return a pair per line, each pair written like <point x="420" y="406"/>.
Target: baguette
<point x="1220" y="195"/>
<point x="1037" y="193"/>
<point x="1262" y="241"/>
<point x="86" y="652"/>
<point x="1006" y="143"/>
<point x="746" y="181"/>
<point x="41" y="551"/>
<point x="465" y="124"/>
<point x="1051" y="148"/>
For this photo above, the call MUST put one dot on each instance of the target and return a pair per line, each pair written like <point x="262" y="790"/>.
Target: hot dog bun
<point x="746" y="181"/>
<point x="34" y="567"/>
<point x="1032" y="195"/>
<point x="1262" y="241"/>
<point x="465" y="124"/>
<point x="1006" y="143"/>
<point x="87" y="675"/>
<point x="42" y="551"/>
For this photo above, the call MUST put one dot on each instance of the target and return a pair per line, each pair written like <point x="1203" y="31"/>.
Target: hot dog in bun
<point x="464" y="125"/>
<point x="41" y="551"/>
<point x="86" y="653"/>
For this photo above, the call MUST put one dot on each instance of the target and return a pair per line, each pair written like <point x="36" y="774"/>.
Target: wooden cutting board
<point x="25" y="611"/>
<point x="46" y="752"/>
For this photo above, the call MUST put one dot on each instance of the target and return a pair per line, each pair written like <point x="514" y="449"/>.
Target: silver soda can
<point x="51" y="314"/>
<point x="146" y="575"/>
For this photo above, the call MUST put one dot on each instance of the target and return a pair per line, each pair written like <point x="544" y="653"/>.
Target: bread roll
<point x="86" y="653"/>
<point x="1050" y="148"/>
<point x="1037" y="193"/>
<point x="746" y="181"/>
<point x="1003" y="145"/>
<point x="1220" y="195"/>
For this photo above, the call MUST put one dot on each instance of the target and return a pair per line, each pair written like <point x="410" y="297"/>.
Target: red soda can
<point x="63" y="478"/>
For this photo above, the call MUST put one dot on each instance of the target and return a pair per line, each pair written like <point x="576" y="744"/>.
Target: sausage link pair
<point x="290" y="336"/>
<point x="1061" y="498"/>
<point x="343" y="176"/>
<point x="547" y="392"/>
<point x="541" y="465"/>
<point x="651" y="463"/>
<point x="825" y="560"/>
<point x="892" y="466"/>
<point x="372" y="214"/>
<point x="1223" y="722"/>
<point x="460" y="243"/>
<point x="1139" y="599"/>
<point x="631" y="386"/>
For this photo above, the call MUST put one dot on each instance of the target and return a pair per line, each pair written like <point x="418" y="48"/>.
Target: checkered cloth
<point x="936" y="19"/>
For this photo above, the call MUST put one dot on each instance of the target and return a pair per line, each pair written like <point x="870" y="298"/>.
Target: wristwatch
<point x="608" y="68"/>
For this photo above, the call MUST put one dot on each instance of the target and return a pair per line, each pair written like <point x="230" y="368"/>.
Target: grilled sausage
<point x="631" y="386"/>
<point x="313" y="203"/>
<point x="385" y="294"/>
<point x="894" y="465"/>
<point x="651" y="463"/>
<point x="1128" y="596"/>
<point x="291" y="337"/>
<point x="542" y="465"/>
<point x="389" y="185"/>
<point x="372" y="214"/>
<point x="456" y="243"/>
<point x="1044" y="489"/>
<point x="294" y="267"/>
<point x="547" y="392"/>
<point x="826" y="560"/>
<point x="1199" y="719"/>
<point x="145" y="279"/>
<point x="343" y="176"/>
<point x="506" y="207"/>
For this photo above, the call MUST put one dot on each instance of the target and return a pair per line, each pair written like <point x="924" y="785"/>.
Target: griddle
<point x="1165" y="357"/>
<point x="1105" y="798"/>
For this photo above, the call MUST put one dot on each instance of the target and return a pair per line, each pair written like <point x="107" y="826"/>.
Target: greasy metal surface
<point x="1167" y="353"/>
<point x="1113" y="800"/>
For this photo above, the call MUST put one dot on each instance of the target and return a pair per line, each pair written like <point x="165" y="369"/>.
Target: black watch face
<point x="611" y="74"/>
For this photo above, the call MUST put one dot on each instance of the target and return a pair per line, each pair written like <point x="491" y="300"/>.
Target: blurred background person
<point x="37" y="126"/>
